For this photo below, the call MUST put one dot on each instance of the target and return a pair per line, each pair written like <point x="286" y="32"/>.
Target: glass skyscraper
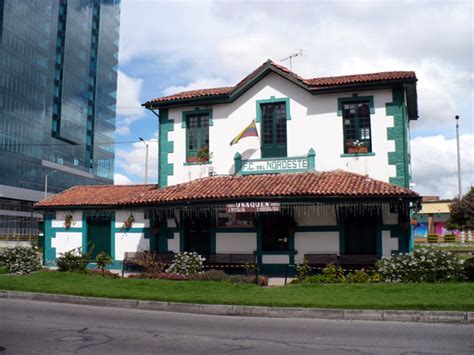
<point x="58" y="82"/>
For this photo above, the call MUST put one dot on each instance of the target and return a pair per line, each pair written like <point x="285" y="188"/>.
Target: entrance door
<point x="274" y="130"/>
<point x="361" y="235"/>
<point x="98" y="235"/>
<point x="275" y="232"/>
<point x="198" y="235"/>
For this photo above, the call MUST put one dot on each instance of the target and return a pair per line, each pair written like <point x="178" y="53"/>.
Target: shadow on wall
<point x="246" y="154"/>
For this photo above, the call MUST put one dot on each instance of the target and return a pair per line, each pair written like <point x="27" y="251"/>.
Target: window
<point x="273" y="129"/>
<point x="356" y="122"/>
<point x="197" y="138"/>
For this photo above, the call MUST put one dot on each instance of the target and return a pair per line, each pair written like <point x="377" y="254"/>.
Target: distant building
<point x="58" y="80"/>
<point x="322" y="172"/>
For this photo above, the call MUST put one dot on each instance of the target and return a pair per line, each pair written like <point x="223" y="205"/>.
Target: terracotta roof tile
<point x="95" y="195"/>
<point x="318" y="184"/>
<point x="337" y="183"/>
<point x="311" y="84"/>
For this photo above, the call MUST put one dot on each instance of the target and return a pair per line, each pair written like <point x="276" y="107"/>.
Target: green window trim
<point x="354" y="98"/>
<point x="166" y="146"/>
<point x="358" y="120"/>
<point x="272" y="100"/>
<point x="197" y="163"/>
<point x="200" y="129"/>
<point x="197" y="111"/>
<point x="357" y="155"/>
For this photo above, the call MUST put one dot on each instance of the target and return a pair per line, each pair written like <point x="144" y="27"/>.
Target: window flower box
<point x="356" y="150"/>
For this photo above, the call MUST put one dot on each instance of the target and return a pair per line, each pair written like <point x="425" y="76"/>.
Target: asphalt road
<point x="31" y="327"/>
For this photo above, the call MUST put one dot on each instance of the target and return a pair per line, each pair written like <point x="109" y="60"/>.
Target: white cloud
<point x="194" y="85"/>
<point x="120" y="179"/>
<point x="434" y="162"/>
<point x="132" y="162"/>
<point x="221" y="42"/>
<point x="129" y="107"/>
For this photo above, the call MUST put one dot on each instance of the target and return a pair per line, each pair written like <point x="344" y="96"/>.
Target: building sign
<point x="298" y="164"/>
<point x="245" y="207"/>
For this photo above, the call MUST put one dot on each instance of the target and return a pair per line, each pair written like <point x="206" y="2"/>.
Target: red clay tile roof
<point x="311" y="84"/>
<point x="339" y="184"/>
<point x="360" y="78"/>
<point x="311" y="184"/>
<point x="95" y="195"/>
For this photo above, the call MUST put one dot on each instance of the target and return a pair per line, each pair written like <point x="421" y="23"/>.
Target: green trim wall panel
<point x="166" y="168"/>
<point x="398" y="133"/>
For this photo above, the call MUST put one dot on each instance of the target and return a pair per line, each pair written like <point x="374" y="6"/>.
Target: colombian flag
<point x="249" y="131"/>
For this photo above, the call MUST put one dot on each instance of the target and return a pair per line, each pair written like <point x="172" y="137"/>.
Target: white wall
<point x="58" y="222"/>
<point x="66" y="241"/>
<point x="388" y="243"/>
<point x="140" y="221"/>
<point x="390" y="218"/>
<point x="245" y="243"/>
<point x="314" y="124"/>
<point x="315" y="243"/>
<point x="173" y="244"/>
<point x="130" y="242"/>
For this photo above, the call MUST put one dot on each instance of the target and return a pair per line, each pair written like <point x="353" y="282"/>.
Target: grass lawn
<point x="442" y="296"/>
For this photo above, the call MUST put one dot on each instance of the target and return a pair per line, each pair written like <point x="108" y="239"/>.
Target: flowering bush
<point x="20" y="260"/>
<point x="424" y="265"/>
<point x="329" y="275"/>
<point x="168" y="276"/>
<point x="186" y="263"/>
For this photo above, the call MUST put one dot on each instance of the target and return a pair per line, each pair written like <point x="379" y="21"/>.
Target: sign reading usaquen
<point x="245" y="207"/>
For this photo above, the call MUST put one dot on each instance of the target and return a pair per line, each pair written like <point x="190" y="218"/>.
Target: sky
<point x="171" y="46"/>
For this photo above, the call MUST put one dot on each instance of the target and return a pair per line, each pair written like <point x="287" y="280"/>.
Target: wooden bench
<point x="223" y="261"/>
<point x="321" y="259"/>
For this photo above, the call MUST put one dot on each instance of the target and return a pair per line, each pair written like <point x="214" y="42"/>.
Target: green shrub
<point x="303" y="270"/>
<point x="449" y="238"/>
<point x="20" y="260"/>
<point x="186" y="263"/>
<point x="74" y="260"/>
<point x="358" y="276"/>
<point x="211" y="275"/>
<point x="103" y="260"/>
<point x="329" y="275"/>
<point x="424" y="265"/>
<point x="469" y="268"/>
<point x="432" y="238"/>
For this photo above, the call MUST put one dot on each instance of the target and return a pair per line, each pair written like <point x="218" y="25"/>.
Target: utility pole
<point x="459" y="157"/>
<point x="146" y="159"/>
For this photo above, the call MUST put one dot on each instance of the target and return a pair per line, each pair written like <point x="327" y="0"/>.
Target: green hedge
<point x="432" y="238"/>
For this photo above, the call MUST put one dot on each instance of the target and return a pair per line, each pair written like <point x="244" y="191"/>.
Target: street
<point x="50" y="328"/>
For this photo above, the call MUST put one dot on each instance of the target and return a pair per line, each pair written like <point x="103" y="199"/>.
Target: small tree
<point x="103" y="260"/>
<point x="461" y="215"/>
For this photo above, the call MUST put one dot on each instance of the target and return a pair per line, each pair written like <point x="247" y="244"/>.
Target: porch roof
<point x="331" y="184"/>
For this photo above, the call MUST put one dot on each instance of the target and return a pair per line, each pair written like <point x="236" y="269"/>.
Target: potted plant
<point x="358" y="147"/>
<point x="128" y="223"/>
<point x="68" y="220"/>
<point x="203" y="154"/>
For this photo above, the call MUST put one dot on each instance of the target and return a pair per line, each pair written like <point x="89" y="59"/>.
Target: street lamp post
<point x="46" y="182"/>
<point x="146" y="159"/>
<point x="459" y="157"/>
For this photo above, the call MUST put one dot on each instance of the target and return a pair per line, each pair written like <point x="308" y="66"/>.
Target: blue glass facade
<point x="58" y="82"/>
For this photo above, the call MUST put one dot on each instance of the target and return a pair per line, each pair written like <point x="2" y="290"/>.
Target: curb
<point x="252" y="311"/>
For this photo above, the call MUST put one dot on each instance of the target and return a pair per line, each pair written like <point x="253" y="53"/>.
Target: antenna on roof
<point x="291" y="56"/>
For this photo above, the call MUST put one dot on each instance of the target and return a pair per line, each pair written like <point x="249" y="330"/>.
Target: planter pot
<point x="196" y="160"/>
<point x="355" y="150"/>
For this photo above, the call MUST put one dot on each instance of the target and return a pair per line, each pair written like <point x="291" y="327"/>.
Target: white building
<point x="326" y="177"/>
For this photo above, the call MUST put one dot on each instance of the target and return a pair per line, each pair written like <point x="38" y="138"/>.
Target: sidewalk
<point x="252" y="311"/>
